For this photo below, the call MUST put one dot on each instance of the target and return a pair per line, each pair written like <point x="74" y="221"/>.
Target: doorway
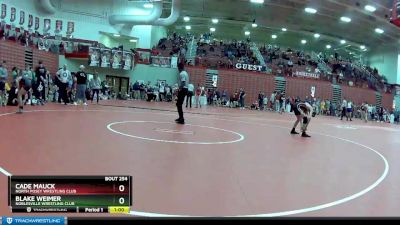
<point x="118" y="84"/>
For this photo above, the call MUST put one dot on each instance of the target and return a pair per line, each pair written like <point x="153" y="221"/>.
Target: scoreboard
<point x="70" y="194"/>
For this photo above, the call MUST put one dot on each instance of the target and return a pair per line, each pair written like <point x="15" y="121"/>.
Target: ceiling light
<point x="188" y="27"/>
<point x="379" y="31"/>
<point x="257" y="1"/>
<point x="133" y="40"/>
<point x="317" y="35"/>
<point x="362" y="47"/>
<point x="310" y="10"/>
<point x="284" y="29"/>
<point x="370" y="8"/>
<point x="303" y="42"/>
<point x="328" y="46"/>
<point x="148" y="5"/>
<point x="254" y="25"/>
<point x="215" y="21"/>
<point x="345" y="19"/>
<point x="247" y="33"/>
<point x="186" y="19"/>
<point x="343" y="42"/>
<point x="274" y="36"/>
<point x="212" y="29"/>
<point x="117" y="35"/>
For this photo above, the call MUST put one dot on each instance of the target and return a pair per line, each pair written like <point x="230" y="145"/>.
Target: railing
<point x="259" y="56"/>
<point x="192" y="50"/>
<point x="321" y="63"/>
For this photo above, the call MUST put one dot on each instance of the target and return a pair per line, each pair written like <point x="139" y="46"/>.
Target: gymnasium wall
<point x="91" y="18"/>
<point x="386" y="60"/>
<point x="229" y="80"/>
<point x="14" y="54"/>
<point x="254" y="82"/>
<point x="302" y="87"/>
<point x="140" y="72"/>
<point x="358" y="95"/>
<point x="387" y="100"/>
<point x="397" y="102"/>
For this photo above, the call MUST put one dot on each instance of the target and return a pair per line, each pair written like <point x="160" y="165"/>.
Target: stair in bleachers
<point x="258" y="54"/>
<point x="378" y="97"/>
<point x="28" y="57"/>
<point x="280" y="85"/>
<point x="336" y="93"/>
<point x="397" y="102"/>
<point x="321" y="64"/>
<point x="191" y="52"/>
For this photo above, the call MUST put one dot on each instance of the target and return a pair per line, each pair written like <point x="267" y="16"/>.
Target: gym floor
<point x="223" y="162"/>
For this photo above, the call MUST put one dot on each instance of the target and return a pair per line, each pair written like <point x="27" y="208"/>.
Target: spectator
<point x="189" y="95"/>
<point x="39" y="89"/>
<point x="242" y="95"/>
<point x="224" y="97"/>
<point x="27" y="74"/>
<point x="278" y="100"/>
<point x="197" y="96"/>
<point x="344" y="109"/>
<point x="349" y="113"/>
<point x="3" y="80"/>
<point x="161" y="91"/>
<point x="95" y="85"/>
<point x="272" y="101"/>
<point x="64" y="77"/>
<point x="14" y="73"/>
<point x="261" y="101"/>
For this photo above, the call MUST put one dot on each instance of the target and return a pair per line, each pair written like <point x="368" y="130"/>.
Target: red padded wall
<point x="387" y="101"/>
<point x="302" y="87"/>
<point x="359" y="95"/>
<point x="254" y="82"/>
<point x="14" y="54"/>
<point x="231" y="80"/>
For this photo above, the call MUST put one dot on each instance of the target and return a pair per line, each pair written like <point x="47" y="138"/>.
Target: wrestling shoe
<point x="180" y="122"/>
<point x="293" y="131"/>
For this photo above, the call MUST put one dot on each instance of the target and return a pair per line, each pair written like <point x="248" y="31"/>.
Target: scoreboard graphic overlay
<point x="70" y="194"/>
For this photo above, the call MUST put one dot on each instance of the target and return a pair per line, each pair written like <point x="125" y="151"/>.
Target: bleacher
<point x="217" y="54"/>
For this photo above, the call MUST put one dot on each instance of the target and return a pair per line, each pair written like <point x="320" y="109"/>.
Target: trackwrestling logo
<point x="32" y="220"/>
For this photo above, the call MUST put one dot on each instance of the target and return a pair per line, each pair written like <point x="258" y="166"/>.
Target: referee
<point x="183" y="80"/>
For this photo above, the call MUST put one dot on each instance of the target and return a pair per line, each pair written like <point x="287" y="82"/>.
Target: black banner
<point x="3" y="11"/>
<point x="59" y="24"/>
<point x="37" y="23"/>
<point x="13" y="14"/>
<point x="30" y="21"/>
<point x="70" y="28"/>
<point x="21" y="17"/>
<point x="47" y="26"/>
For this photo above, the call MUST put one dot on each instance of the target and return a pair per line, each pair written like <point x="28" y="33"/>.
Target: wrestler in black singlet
<point x="23" y="83"/>
<point x="296" y="107"/>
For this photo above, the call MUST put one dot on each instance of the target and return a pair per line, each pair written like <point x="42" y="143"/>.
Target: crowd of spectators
<point x="55" y="44"/>
<point x="224" y="54"/>
<point x="213" y="53"/>
<point x="275" y="102"/>
<point x="173" y="45"/>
